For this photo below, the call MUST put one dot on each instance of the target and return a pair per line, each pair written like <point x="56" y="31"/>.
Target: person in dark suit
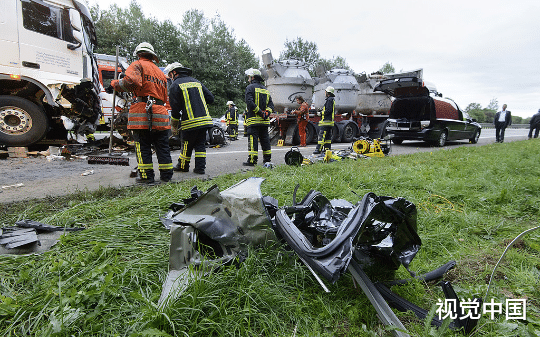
<point x="534" y="124"/>
<point x="502" y="120"/>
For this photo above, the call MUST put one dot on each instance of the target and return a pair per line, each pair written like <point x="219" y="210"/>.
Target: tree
<point x="493" y="105"/>
<point x="207" y="46"/>
<point x="387" y="68"/>
<point x="302" y="50"/>
<point x="308" y="52"/>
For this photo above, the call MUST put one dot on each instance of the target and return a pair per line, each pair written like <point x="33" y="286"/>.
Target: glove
<point x="110" y="89"/>
<point x="265" y="114"/>
<point x="175" y="123"/>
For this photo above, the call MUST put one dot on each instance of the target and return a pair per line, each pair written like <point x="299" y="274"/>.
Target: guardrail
<point x="512" y="126"/>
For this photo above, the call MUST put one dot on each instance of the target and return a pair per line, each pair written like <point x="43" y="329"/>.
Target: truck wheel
<point x="311" y="134"/>
<point x="22" y="122"/>
<point x="442" y="139"/>
<point x="475" y="137"/>
<point x="336" y="136"/>
<point x="348" y="133"/>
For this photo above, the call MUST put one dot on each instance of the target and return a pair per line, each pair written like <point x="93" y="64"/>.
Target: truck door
<point x="9" y="38"/>
<point x="46" y="36"/>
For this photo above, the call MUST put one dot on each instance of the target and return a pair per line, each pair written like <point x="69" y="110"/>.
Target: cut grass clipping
<point x="106" y="280"/>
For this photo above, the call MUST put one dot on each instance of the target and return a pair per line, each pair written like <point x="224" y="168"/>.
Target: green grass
<point x="106" y="280"/>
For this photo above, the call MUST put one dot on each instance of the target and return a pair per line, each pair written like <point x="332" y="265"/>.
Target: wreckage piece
<point x="41" y="227"/>
<point x="29" y="236"/>
<point x="384" y="312"/>
<point x="14" y="237"/>
<point x="213" y="229"/>
<point x="378" y="230"/>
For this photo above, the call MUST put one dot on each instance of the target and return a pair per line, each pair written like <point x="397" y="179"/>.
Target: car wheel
<point x="217" y="136"/>
<point x="442" y="139"/>
<point x="397" y="141"/>
<point x="348" y="133"/>
<point x="476" y="136"/>
<point x="22" y="122"/>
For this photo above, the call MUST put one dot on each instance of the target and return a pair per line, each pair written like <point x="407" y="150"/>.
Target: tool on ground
<point x="294" y="157"/>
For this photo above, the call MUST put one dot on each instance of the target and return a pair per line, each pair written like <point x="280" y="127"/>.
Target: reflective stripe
<point x="196" y="122"/>
<point x="256" y="120"/>
<point x="168" y="166"/>
<point x="192" y="85"/>
<point x="200" y="154"/>
<point x="267" y="152"/>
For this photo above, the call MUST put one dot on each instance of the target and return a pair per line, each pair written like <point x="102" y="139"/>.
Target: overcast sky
<point x="473" y="51"/>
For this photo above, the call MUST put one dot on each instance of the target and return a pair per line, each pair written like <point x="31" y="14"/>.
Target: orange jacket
<point x="303" y="112"/>
<point x="144" y="79"/>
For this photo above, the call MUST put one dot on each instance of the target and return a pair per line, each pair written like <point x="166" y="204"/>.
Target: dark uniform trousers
<point x="258" y="133"/>
<point x="193" y="140"/>
<point x="143" y="149"/>
<point x="325" y="138"/>
<point x="232" y="130"/>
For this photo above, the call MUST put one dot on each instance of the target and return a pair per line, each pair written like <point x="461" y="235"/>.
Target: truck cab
<point x="48" y="72"/>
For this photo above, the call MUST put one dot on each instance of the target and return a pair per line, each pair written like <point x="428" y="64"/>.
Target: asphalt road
<point x="37" y="177"/>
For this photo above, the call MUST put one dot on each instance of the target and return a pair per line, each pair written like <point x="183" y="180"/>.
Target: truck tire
<point x="349" y="132"/>
<point x="311" y="134"/>
<point x="336" y="136"/>
<point x="22" y="122"/>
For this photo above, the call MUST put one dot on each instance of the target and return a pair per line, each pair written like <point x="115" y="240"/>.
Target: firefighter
<point x="189" y="99"/>
<point x="327" y="122"/>
<point x="148" y="118"/>
<point x="231" y="116"/>
<point x="303" y="118"/>
<point x="259" y="107"/>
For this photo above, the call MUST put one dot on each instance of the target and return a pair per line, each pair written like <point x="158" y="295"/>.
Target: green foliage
<point x="483" y="115"/>
<point x="387" y="68"/>
<point x="307" y="51"/>
<point x="106" y="280"/>
<point x="207" y="46"/>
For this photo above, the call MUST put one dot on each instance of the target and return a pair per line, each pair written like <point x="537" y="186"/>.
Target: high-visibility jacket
<point x="231" y="116"/>
<point x="327" y="116"/>
<point x="189" y="99"/>
<point x="303" y="112"/>
<point x="144" y="79"/>
<point x="258" y="99"/>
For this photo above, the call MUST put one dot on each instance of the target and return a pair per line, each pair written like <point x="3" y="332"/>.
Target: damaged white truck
<point x="48" y="73"/>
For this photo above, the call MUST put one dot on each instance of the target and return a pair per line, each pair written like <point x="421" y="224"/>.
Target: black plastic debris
<point x="13" y="237"/>
<point x="29" y="236"/>
<point x="377" y="230"/>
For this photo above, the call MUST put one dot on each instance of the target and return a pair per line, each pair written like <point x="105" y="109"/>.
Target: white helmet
<point x="230" y="103"/>
<point x="329" y="89"/>
<point x="253" y="72"/>
<point x="171" y="67"/>
<point x="145" y="47"/>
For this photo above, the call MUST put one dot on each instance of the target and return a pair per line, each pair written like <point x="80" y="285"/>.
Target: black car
<point x="420" y="113"/>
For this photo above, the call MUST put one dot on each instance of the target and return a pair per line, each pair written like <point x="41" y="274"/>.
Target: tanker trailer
<point x="285" y="80"/>
<point x="346" y="97"/>
<point x="372" y="109"/>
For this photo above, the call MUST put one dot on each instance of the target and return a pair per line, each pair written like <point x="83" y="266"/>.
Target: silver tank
<point x="285" y="80"/>
<point x="345" y="90"/>
<point x="369" y="102"/>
